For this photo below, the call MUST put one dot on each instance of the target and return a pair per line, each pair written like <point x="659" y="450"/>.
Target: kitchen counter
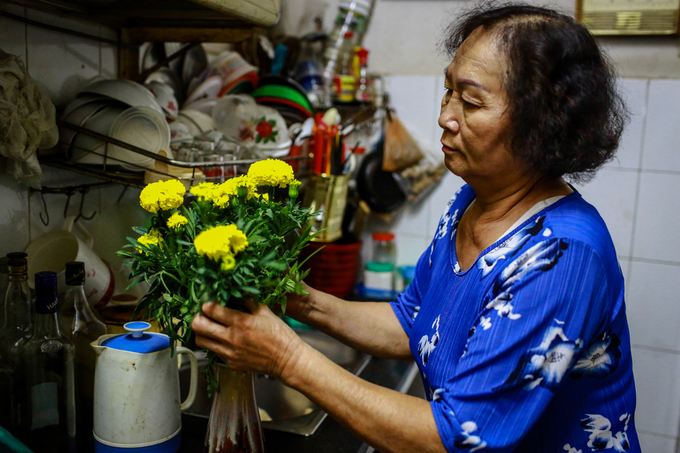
<point x="330" y="436"/>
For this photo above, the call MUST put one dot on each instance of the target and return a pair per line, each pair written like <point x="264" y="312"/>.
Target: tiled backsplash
<point x="637" y="195"/>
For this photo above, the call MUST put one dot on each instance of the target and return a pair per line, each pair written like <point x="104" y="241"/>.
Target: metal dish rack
<point x="109" y="169"/>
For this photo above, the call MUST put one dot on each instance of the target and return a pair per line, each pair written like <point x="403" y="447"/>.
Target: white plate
<point x="77" y="117"/>
<point x="81" y="100"/>
<point x="126" y="91"/>
<point x="90" y="150"/>
<point x="195" y="62"/>
<point x="144" y="128"/>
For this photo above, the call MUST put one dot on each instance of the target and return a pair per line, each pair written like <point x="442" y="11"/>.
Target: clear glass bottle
<point x="47" y="362"/>
<point x="85" y="327"/>
<point x="4" y="282"/>
<point x="18" y="324"/>
<point x="9" y="402"/>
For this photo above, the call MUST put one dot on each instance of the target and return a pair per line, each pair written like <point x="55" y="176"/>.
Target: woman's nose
<point x="448" y="121"/>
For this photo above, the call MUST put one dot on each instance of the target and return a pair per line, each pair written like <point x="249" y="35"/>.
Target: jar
<point x="384" y="248"/>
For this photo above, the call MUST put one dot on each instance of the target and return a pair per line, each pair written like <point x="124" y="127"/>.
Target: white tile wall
<point x="656" y="444"/>
<point x="653" y="301"/>
<point x="658" y="218"/>
<point x="658" y="391"/>
<point x="634" y="92"/>
<point x="14" y="32"/>
<point x="613" y="192"/>
<point x="662" y="134"/>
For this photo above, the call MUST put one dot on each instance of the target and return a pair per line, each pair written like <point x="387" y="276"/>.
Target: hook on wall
<point x="69" y="191"/>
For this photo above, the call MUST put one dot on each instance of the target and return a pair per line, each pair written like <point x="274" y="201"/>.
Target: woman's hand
<point x="298" y="306"/>
<point x="256" y="341"/>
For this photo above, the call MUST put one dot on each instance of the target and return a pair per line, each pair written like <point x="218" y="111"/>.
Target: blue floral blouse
<point x="528" y="350"/>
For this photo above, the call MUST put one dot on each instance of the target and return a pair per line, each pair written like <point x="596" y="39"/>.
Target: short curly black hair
<point x="566" y="113"/>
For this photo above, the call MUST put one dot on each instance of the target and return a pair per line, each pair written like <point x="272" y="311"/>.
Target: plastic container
<point x="384" y="248"/>
<point x="333" y="269"/>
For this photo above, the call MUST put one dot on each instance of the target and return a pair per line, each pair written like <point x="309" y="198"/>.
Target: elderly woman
<point x="516" y="315"/>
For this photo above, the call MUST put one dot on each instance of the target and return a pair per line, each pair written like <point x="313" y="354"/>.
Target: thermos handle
<point x="193" y="383"/>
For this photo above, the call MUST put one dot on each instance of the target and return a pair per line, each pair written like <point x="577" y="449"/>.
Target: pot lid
<point x="138" y="340"/>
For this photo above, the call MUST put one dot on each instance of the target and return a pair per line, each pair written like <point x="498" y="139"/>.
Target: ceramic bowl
<point x="89" y="150"/>
<point x="125" y="91"/>
<point x="144" y="128"/>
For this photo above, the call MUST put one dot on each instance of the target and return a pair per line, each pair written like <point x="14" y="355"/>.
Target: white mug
<point x="51" y="252"/>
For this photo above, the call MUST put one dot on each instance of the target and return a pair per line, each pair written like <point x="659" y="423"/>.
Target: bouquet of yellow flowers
<point x="235" y="240"/>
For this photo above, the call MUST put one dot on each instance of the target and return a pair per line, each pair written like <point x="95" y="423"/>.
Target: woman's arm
<point x="371" y="327"/>
<point x="386" y="419"/>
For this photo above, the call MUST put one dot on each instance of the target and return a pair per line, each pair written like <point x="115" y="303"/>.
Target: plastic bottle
<point x="353" y="15"/>
<point x="363" y="89"/>
<point x="379" y="273"/>
<point x="344" y="77"/>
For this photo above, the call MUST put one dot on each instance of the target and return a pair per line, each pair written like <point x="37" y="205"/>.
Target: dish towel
<point x="27" y="121"/>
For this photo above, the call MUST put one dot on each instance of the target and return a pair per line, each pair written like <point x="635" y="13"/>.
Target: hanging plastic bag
<point x="401" y="150"/>
<point x="27" y="120"/>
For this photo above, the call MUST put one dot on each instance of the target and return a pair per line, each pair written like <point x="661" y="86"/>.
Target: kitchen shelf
<point x="110" y="171"/>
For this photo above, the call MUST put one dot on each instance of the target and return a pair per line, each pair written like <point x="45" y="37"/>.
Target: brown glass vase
<point x="234" y="424"/>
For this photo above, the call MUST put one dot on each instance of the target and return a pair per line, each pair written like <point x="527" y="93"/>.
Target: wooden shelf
<point x="169" y="20"/>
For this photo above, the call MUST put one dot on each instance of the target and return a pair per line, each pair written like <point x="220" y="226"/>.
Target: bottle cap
<point x="16" y="259"/>
<point x="46" y="292"/>
<point x="383" y="236"/>
<point x="349" y="35"/>
<point x="75" y="273"/>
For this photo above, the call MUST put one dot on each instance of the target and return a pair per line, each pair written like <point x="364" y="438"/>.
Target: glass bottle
<point x="85" y="327"/>
<point x="18" y="325"/>
<point x="47" y="363"/>
<point x="4" y="282"/>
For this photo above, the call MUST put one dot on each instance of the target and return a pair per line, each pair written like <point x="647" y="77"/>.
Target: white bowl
<point x="197" y="122"/>
<point x="126" y="91"/>
<point x="144" y="128"/>
<point x="90" y="150"/>
<point x="77" y="117"/>
<point x="165" y="96"/>
<point x="210" y="88"/>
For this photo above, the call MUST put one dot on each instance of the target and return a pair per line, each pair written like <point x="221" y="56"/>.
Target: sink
<point x="281" y="407"/>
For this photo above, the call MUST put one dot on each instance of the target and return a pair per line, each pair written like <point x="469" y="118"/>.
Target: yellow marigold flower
<point x="203" y="191"/>
<point x="230" y="186"/>
<point x="222" y="201"/>
<point x="264" y="196"/>
<point x="163" y="195"/>
<point x="176" y="221"/>
<point x="153" y="237"/>
<point x="220" y="241"/>
<point x="271" y="172"/>
<point x="228" y="262"/>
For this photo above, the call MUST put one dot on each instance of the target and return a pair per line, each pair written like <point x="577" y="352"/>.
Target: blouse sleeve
<point x="533" y="323"/>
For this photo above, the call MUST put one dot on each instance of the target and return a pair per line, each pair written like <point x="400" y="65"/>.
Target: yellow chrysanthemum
<point x="220" y="241"/>
<point x="228" y="262"/>
<point x="153" y="237"/>
<point x="264" y="196"/>
<point x="163" y="195"/>
<point x="176" y="221"/>
<point x="271" y="172"/>
<point x="203" y="191"/>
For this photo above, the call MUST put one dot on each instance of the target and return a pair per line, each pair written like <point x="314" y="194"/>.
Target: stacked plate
<point x="120" y="109"/>
<point x="286" y="96"/>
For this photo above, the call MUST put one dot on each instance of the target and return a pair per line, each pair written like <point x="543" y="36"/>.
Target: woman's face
<point x="474" y="114"/>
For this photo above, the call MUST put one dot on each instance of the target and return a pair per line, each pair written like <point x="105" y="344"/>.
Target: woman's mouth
<point x="447" y="150"/>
